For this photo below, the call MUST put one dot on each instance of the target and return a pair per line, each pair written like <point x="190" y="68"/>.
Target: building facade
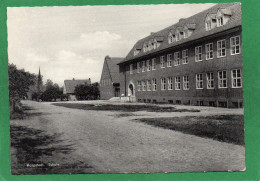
<point x="110" y="78"/>
<point x="197" y="61"/>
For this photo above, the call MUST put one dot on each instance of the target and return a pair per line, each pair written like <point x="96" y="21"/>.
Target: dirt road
<point x="108" y="144"/>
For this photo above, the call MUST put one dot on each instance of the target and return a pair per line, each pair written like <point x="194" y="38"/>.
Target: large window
<point x="131" y="68"/>
<point x="235" y="45"/>
<point x="154" y="85"/>
<point x="236" y="78"/>
<point x="148" y="65"/>
<point x="139" y="84"/>
<point x="177" y="83"/>
<point x="163" y="84"/>
<point x="185" y="56"/>
<point x="209" y="51"/>
<point x="199" y="81"/>
<point x="170" y="83"/>
<point x="143" y="66"/>
<point x="162" y="61"/>
<point x="169" y="60"/>
<point x="198" y="53"/>
<point x="222" y="79"/>
<point x="153" y="64"/>
<point x="176" y="58"/>
<point x="149" y="85"/>
<point x="210" y="80"/>
<point x="186" y="85"/>
<point x="221" y="48"/>
<point x="143" y="85"/>
<point x="138" y="67"/>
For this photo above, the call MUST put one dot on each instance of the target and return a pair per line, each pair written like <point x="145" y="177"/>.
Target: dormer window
<point x="188" y="29"/>
<point x="179" y="34"/>
<point x="223" y="16"/>
<point x="170" y="38"/>
<point x="186" y="33"/>
<point x="210" y="22"/>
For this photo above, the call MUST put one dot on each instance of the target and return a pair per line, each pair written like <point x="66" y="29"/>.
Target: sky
<point x="69" y="42"/>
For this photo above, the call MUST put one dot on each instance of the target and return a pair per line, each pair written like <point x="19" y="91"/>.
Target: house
<point x="69" y="87"/>
<point x="197" y="61"/>
<point x="110" y="78"/>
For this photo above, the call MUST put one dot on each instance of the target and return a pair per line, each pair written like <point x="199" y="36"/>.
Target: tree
<point x="52" y="92"/>
<point x="19" y="82"/>
<point x="87" y="92"/>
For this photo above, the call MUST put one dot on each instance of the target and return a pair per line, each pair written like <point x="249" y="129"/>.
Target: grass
<point x="125" y="107"/>
<point x="225" y="128"/>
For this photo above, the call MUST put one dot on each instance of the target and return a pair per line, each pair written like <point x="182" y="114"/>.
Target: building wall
<point x="106" y="86"/>
<point x="192" y="95"/>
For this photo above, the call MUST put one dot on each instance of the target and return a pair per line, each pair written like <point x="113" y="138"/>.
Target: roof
<point x="199" y="32"/>
<point x="113" y="67"/>
<point x="70" y="85"/>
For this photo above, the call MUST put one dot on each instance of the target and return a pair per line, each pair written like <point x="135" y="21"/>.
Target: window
<point x="138" y="67"/>
<point x="163" y="84"/>
<point x="154" y="85"/>
<point x="170" y="83"/>
<point x="209" y="51"/>
<point x="143" y="66"/>
<point x="185" y="56"/>
<point x="221" y="48"/>
<point x="139" y="85"/>
<point x="220" y="21"/>
<point x="208" y="25"/>
<point x="222" y="79"/>
<point x="235" y="45"/>
<point x="143" y="85"/>
<point x="170" y="38"/>
<point x="176" y="58"/>
<point x="153" y="64"/>
<point x="186" y="85"/>
<point x="185" y="35"/>
<point x="236" y="78"/>
<point x="169" y="60"/>
<point x="177" y="83"/>
<point x="198" y="53"/>
<point x="149" y="85"/>
<point x="162" y="62"/>
<point x="210" y="80"/>
<point x="148" y="65"/>
<point x="199" y="81"/>
<point x="131" y="68"/>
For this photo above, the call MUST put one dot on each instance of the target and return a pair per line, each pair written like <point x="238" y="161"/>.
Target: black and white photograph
<point x="126" y="89"/>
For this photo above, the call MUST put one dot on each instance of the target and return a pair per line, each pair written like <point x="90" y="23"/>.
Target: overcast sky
<point x="71" y="42"/>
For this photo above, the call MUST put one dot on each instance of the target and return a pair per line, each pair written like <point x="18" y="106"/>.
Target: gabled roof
<point x="199" y="32"/>
<point x="113" y="67"/>
<point x="70" y="85"/>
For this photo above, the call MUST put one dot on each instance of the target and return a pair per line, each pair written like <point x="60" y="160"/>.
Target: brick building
<point x="197" y="61"/>
<point x="110" y="83"/>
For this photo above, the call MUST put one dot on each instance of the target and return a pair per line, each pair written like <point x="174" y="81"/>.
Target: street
<point x="100" y="142"/>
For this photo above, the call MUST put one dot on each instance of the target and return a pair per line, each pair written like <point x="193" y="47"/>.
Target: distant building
<point x="197" y="61"/>
<point x="110" y="79"/>
<point x="37" y="88"/>
<point x="69" y="87"/>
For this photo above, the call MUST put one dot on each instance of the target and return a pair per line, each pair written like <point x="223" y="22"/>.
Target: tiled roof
<point x="113" y="67"/>
<point x="70" y="85"/>
<point x="199" y="32"/>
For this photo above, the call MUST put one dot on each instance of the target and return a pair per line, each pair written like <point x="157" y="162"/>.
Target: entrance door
<point x="117" y="91"/>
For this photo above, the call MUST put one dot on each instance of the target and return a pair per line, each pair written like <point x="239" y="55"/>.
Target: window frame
<point x="198" y="81"/>
<point x="221" y="48"/>
<point x="234" y="46"/>
<point x="139" y="85"/>
<point x="186" y="56"/>
<point x="177" y="83"/>
<point x="162" y="61"/>
<point x="148" y="65"/>
<point x="222" y="79"/>
<point x="143" y="66"/>
<point x="176" y="61"/>
<point x="169" y="60"/>
<point x="208" y="51"/>
<point x="186" y="82"/>
<point x="198" y="53"/>
<point x="149" y="85"/>
<point x="170" y="83"/>
<point x="210" y="78"/>
<point x="143" y="85"/>
<point x="236" y="78"/>
<point x="154" y="86"/>
<point x="153" y="64"/>
<point x="163" y="83"/>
